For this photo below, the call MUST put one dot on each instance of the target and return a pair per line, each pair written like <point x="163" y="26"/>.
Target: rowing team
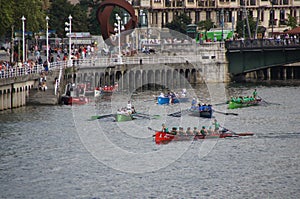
<point x="128" y="110"/>
<point x="203" y="131"/>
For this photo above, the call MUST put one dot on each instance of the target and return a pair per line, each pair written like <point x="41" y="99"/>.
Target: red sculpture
<point x="103" y="15"/>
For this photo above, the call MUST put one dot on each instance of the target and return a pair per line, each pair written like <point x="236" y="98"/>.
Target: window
<point x="197" y="16"/>
<point x="208" y="15"/>
<point x="190" y="1"/>
<point x="262" y="15"/>
<point x="157" y="1"/>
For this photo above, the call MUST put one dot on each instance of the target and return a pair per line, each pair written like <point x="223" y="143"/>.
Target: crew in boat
<point x="194" y="104"/>
<point x="216" y="125"/>
<point x="162" y="95"/>
<point x="181" y="131"/>
<point x="183" y="94"/>
<point x="189" y="131"/>
<point x="254" y="94"/>
<point x="164" y="128"/>
<point x="174" y="131"/>
<point x="129" y="107"/>
<point x="203" y="131"/>
<point x="196" y="131"/>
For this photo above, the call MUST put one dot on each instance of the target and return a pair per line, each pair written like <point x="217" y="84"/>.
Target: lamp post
<point x="69" y="28"/>
<point x="47" y="40"/>
<point x="273" y="15"/>
<point x="23" y="37"/>
<point x="118" y="29"/>
<point x="222" y="21"/>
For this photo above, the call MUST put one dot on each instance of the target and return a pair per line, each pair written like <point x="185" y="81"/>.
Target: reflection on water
<point x="43" y="156"/>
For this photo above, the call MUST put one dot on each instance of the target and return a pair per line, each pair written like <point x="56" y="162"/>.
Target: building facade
<point x="272" y="14"/>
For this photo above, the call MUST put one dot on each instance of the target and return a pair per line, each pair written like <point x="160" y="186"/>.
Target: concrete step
<point x="42" y="97"/>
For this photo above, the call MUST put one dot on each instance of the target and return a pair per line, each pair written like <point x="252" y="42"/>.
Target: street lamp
<point x="118" y="30"/>
<point x="222" y="21"/>
<point x="47" y="40"/>
<point x="69" y="28"/>
<point x="273" y="15"/>
<point x="23" y="37"/>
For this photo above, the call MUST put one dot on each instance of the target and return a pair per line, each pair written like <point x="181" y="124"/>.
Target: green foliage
<point x="291" y="21"/>
<point x="59" y="13"/>
<point x="206" y="25"/>
<point x="242" y="28"/>
<point x="6" y="16"/>
<point x="180" y="23"/>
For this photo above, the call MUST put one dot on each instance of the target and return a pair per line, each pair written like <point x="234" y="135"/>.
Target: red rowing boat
<point x="164" y="138"/>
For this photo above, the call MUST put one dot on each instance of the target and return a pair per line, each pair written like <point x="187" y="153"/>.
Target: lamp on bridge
<point x="23" y="37"/>
<point x="69" y="28"/>
<point x="222" y="23"/>
<point x="118" y="30"/>
<point x="47" y="40"/>
<point x="272" y="15"/>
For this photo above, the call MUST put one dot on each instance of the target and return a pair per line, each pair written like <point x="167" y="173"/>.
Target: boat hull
<point x="206" y="114"/>
<point x="123" y="117"/>
<point x="234" y="105"/>
<point x="67" y="100"/>
<point x="166" y="100"/>
<point x="165" y="138"/>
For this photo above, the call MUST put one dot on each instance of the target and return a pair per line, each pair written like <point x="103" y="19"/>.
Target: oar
<point x="268" y="102"/>
<point x="151" y="129"/>
<point x="225" y="113"/>
<point x="178" y="113"/>
<point x="96" y="117"/>
<point x="219" y="104"/>
<point x="146" y="116"/>
<point x="229" y="130"/>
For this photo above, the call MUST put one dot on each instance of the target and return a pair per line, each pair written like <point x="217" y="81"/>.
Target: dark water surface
<point x="56" y="152"/>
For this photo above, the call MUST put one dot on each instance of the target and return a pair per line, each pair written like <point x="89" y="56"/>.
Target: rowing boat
<point x="164" y="138"/>
<point x="166" y="100"/>
<point x="122" y="117"/>
<point x="202" y="111"/>
<point x="242" y="104"/>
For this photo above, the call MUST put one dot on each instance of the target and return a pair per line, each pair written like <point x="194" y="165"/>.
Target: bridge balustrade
<point x="249" y="44"/>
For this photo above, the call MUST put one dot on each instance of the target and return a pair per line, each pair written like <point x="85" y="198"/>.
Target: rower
<point x="203" y="131"/>
<point x="196" y="131"/>
<point x="254" y="94"/>
<point x="217" y="126"/>
<point x="164" y="128"/>
<point x="194" y="104"/>
<point x="189" y="131"/>
<point x="181" y="131"/>
<point x="174" y="131"/>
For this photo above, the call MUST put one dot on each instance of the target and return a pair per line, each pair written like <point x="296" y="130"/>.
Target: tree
<point x="292" y="21"/>
<point x="180" y="23"/>
<point x="242" y="28"/>
<point x="91" y="7"/>
<point x="59" y="13"/>
<point x="6" y="17"/>
<point x="206" y="25"/>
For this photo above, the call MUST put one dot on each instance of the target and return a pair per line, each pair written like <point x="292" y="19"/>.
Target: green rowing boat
<point x="120" y="117"/>
<point x="242" y="104"/>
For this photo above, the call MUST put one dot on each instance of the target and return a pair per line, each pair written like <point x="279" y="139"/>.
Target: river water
<point x="58" y="152"/>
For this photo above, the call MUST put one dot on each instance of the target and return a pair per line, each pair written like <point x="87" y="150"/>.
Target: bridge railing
<point x="108" y="62"/>
<point x="101" y="63"/>
<point x="262" y="43"/>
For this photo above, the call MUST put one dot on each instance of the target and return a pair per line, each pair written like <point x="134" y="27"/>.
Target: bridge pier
<point x="269" y="74"/>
